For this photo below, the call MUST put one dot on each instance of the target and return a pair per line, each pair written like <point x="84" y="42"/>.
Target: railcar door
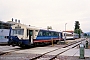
<point x="61" y="35"/>
<point x="31" y="36"/>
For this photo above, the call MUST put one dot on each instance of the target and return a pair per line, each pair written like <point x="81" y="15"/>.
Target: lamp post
<point x="65" y="32"/>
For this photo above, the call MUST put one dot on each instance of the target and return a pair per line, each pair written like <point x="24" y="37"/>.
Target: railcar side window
<point x="0" y="25"/>
<point x="40" y="33"/>
<point x="47" y="33"/>
<point x="64" y="34"/>
<point x="55" y="34"/>
<point x="36" y="30"/>
<point x="31" y="32"/>
<point x="44" y="33"/>
<point x="52" y="34"/>
<point x="69" y="34"/>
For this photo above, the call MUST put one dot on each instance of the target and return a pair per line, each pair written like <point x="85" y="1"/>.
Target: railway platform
<point x="76" y="52"/>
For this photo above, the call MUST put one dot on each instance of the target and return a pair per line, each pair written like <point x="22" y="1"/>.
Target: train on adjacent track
<point x="4" y="31"/>
<point x="25" y="35"/>
<point x="70" y="36"/>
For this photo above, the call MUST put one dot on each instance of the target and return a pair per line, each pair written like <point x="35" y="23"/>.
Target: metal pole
<point x="59" y="38"/>
<point x="52" y="42"/>
<point x="82" y="53"/>
<point x="65" y="31"/>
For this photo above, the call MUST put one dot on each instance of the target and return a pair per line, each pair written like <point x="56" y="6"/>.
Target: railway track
<point x="56" y="52"/>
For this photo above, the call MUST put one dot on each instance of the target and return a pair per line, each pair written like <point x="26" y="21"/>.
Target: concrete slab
<point x="5" y="48"/>
<point x="87" y="53"/>
<point x="75" y="52"/>
<point x="57" y="52"/>
<point x="70" y="52"/>
<point x="37" y="50"/>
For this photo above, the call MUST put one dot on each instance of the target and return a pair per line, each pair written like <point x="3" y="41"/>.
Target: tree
<point x="77" y="28"/>
<point x="85" y="34"/>
<point x="77" y="25"/>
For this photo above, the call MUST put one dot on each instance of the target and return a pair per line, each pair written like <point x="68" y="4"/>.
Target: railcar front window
<point x="18" y="31"/>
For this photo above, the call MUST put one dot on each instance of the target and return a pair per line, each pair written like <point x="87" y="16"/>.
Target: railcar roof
<point x="40" y="28"/>
<point x="49" y="30"/>
<point x="4" y="22"/>
<point x="37" y="28"/>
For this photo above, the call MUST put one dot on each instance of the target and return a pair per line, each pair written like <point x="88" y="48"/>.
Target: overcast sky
<point x="43" y="13"/>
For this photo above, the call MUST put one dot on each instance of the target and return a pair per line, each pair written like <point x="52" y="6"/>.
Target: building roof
<point x="69" y="31"/>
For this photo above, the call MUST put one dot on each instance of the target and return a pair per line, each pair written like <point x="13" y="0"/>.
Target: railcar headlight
<point x="21" y="38"/>
<point x="6" y="37"/>
<point x="11" y="38"/>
